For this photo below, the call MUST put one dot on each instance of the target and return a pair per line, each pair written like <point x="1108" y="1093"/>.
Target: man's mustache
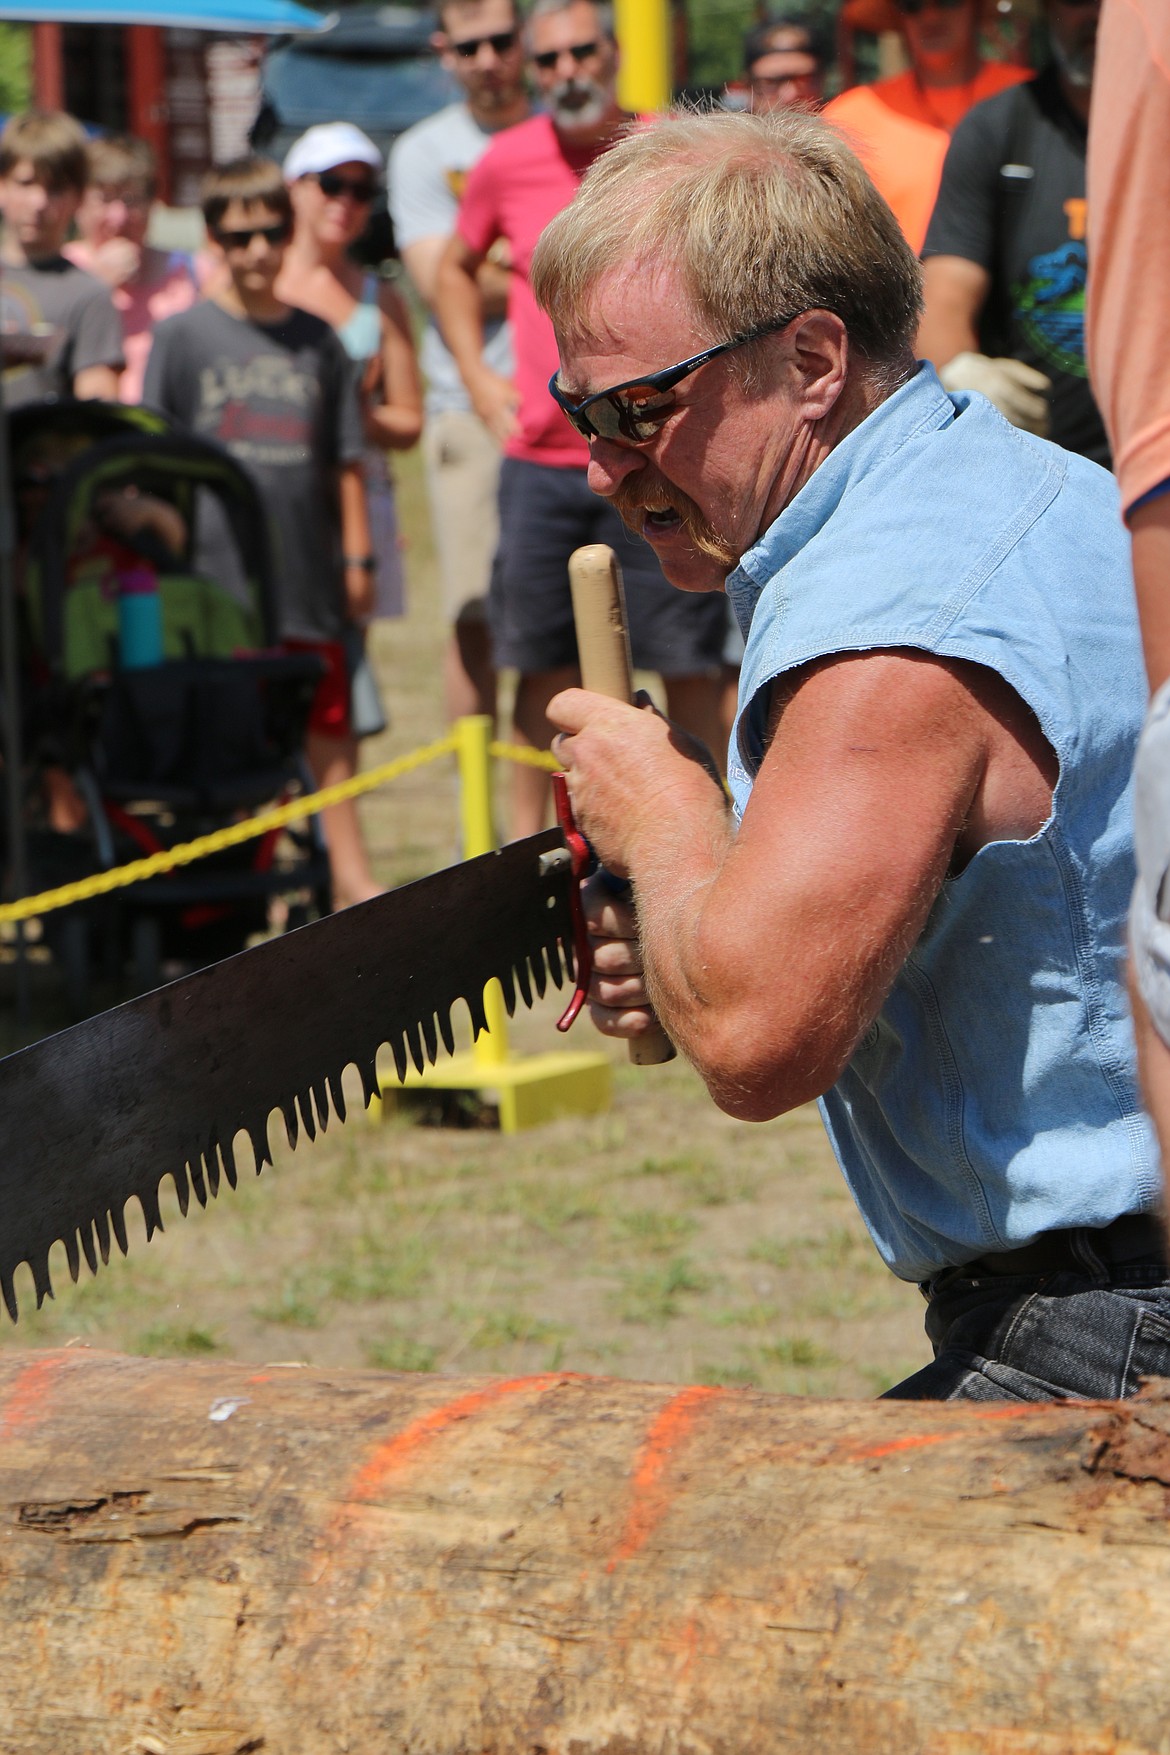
<point x="632" y="502"/>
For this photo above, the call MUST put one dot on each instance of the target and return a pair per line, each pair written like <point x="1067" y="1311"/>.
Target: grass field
<point x="660" y="1241"/>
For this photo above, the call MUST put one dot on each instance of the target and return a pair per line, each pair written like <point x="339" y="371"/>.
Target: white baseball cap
<point x="327" y="145"/>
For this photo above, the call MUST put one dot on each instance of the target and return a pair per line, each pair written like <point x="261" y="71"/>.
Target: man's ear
<point x="820" y="353"/>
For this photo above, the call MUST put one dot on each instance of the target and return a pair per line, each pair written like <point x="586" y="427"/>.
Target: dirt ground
<point x="660" y="1241"/>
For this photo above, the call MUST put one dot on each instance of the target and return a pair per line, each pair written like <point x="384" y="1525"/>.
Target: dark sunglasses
<point x="502" y="42"/>
<point x="360" y="188"/>
<point x="638" y="409"/>
<point x="911" y="8"/>
<point x="239" y="240"/>
<point x="580" y="52"/>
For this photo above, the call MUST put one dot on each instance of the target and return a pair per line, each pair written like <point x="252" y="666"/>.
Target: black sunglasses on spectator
<point x="361" y="188"/>
<point x="638" y="409"/>
<point x="579" y="51"/>
<point x="239" y="240"/>
<point x="912" y="8"/>
<point x="502" y="42"/>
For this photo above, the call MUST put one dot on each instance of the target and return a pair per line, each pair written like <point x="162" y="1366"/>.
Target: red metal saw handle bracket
<point x="581" y="857"/>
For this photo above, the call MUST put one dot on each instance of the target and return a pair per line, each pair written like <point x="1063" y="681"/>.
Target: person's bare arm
<point x="421" y="260"/>
<point x="96" y="384"/>
<point x="1150" y="528"/>
<point x="768" y="952"/>
<point x="393" y="400"/>
<point x="355" y="540"/>
<point x="459" y="308"/>
<point x="954" y="293"/>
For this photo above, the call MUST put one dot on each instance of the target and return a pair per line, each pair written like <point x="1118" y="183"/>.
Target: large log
<point x="207" y="1559"/>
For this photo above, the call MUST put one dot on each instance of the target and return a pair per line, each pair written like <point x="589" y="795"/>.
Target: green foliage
<point x="15" y="67"/>
<point x="715" y="33"/>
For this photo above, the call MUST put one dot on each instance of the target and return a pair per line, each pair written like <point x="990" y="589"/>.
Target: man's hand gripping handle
<point x="599" y="611"/>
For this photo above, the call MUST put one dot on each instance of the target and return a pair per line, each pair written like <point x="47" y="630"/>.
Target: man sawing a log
<point x="914" y="910"/>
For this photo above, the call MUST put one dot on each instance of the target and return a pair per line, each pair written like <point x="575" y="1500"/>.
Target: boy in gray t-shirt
<point x="61" y="334"/>
<point x="274" y="386"/>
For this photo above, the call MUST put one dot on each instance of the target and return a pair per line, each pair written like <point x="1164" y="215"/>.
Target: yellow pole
<point x="472" y="749"/>
<point x="643" y="32"/>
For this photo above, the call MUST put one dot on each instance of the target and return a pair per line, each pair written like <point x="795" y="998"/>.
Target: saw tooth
<point x="73" y="1256"/>
<point x="118" y="1221"/>
<point x="308" y="1121"/>
<point x="509" y="988"/>
<point x="8" y="1290"/>
<point x="430" y="1038"/>
<point x="101" y="1225"/>
<point x="478" y="1015"/>
<point x="261" y="1150"/>
<point x="398" y="1050"/>
<point x="182" y="1188"/>
<point x="523" y="982"/>
<point x="87" y="1244"/>
<point x="291" y="1126"/>
<point x="213" y="1169"/>
<point x="228" y="1154"/>
<point x="539" y="973"/>
<point x="320" y="1095"/>
<point x="198" y="1184"/>
<point x="150" y="1212"/>
<point x="337" y="1094"/>
<point x="414" y="1043"/>
<point x="40" y="1273"/>
<point x="369" y="1077"/>
<point x="445" y="1029"/>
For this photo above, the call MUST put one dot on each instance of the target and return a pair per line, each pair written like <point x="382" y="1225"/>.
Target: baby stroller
<point x="151" y="605"/>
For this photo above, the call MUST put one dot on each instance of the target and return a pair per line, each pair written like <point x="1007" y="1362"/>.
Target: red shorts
<point x="329" y="713"/>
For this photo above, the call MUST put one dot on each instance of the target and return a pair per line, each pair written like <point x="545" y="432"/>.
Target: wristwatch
<point x="366" y="562"/>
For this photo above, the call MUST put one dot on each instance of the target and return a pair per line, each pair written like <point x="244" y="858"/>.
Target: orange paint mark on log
<point x="23" y="1404"/>
<point x="401" y="1449"/>
<point x="652" y="1497"/>
<point x="919" y="1440"/>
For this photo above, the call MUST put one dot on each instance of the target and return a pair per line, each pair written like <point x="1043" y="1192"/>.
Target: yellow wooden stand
<point x="529" y="1089"/>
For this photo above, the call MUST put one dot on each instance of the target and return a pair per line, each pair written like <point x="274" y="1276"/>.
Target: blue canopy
<point x="275" y="17"/>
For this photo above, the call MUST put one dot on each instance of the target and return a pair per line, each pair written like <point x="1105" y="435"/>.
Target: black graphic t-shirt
<point x="281" y="397"/>
<point x="1012" y="199"/>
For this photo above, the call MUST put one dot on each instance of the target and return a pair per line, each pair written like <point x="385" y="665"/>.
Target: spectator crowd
<point x="272" y="342"/>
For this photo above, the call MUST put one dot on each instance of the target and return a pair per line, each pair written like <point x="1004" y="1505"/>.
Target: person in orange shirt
<point x="900" y="127"/>
<point x="1129" y="365"/>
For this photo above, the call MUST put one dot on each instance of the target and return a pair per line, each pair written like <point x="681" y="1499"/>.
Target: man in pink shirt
<point x="526" y="176"/>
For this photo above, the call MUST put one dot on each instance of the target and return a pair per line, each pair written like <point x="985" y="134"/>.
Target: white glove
<point x="1018" y="391"/>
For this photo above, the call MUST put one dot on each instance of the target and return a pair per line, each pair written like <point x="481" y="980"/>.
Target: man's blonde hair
<point x="763" y="217"/>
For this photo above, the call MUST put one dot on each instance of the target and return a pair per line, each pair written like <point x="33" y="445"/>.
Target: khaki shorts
<point x="463" y="469"/>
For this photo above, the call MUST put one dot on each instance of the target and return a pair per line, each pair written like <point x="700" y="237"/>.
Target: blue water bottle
<point x="140" y="634"/>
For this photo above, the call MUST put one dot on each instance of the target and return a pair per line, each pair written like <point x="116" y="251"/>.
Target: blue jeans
<point x="1036" y="1338"/>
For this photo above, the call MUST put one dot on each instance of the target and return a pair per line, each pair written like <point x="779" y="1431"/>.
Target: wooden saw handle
<point x="603" y="642"/>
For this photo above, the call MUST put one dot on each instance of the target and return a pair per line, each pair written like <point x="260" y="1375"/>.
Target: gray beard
<point x="587" y="115"/>
<point x="1075" y="64"/>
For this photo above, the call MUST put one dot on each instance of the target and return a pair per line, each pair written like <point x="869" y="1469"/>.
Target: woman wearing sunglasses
<point x="334" y="176"/>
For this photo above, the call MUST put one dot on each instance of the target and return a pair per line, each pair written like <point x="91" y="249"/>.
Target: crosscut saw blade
<point x="161" y="1086"/>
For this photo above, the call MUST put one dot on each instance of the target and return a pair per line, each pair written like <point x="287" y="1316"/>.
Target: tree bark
<point x="207" y="1559"/>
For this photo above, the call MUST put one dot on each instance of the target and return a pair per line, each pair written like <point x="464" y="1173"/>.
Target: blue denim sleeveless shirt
<point x="996" y="1095"/>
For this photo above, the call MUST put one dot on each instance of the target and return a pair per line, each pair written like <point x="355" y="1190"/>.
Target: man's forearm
<point x="459" y="308"/>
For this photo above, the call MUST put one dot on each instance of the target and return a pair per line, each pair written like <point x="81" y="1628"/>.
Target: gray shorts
<point x="545" y="513"/>
<point x="1149" y="918"/>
